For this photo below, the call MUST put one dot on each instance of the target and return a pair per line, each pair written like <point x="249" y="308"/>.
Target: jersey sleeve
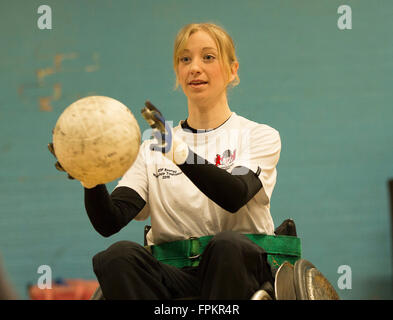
<point x="260" y="151"/>
<point x="136" y="178"/>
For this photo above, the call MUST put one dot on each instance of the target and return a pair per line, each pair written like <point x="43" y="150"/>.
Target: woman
<point x="212" y="175"/>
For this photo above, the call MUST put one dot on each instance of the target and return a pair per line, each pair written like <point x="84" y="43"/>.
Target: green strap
<point x="184" y="253"/>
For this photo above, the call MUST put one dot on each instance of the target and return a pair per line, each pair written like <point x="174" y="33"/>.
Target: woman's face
<point x="199" y="72"/>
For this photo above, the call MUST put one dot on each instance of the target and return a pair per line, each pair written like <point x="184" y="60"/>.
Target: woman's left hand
<point x="173" y="148"/>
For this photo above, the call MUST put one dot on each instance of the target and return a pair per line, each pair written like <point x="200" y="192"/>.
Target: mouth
<point x="197" y="84"/>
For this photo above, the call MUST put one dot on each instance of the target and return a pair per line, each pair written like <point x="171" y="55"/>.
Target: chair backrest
<point x="286" y="228"/>
<point x="145" y="231"/>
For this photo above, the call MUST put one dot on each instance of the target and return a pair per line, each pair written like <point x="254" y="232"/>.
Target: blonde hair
<point x="224" y="43"/>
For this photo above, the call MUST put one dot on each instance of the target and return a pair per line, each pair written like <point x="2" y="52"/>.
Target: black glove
<point x="57" y="164"/>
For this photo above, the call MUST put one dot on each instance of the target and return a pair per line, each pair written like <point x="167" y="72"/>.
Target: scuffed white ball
<point x="96" y="139"/>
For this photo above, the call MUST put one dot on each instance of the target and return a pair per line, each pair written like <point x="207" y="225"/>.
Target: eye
<point x="209" y="57"/>
<point x="185" y="59"/>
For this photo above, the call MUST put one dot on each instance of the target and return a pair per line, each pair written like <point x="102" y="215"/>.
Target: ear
<point x="177" y="82"/>
<point x="234" y="69"/>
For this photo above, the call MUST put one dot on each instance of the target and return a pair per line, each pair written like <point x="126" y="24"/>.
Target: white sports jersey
<point x="178" y="209"/>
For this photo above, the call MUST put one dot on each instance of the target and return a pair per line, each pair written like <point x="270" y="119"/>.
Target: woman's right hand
<point x="59" y="167"/>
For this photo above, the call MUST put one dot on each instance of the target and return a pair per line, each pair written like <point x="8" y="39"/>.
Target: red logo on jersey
<point x="225" y="160"/>
<point x="218" y="160"/>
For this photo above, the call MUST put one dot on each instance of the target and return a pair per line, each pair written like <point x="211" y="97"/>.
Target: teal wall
<point x="327" y="91"/>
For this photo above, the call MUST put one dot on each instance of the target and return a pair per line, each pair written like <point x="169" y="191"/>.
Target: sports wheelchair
<point x="294" y="278"/>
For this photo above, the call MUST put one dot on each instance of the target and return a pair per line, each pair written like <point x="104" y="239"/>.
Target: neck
<point x="208" y="115"/>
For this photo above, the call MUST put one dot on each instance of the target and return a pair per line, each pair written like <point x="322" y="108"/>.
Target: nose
<point x="195" y="67"/>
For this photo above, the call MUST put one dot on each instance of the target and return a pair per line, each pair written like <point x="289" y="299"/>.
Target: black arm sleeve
<point x="109" y="213"/>
<point x="230" y="191"/>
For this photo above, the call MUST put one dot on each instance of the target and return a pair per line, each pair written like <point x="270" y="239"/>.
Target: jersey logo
<point x="225" y="161"/>
<point x="165" y="173"/>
